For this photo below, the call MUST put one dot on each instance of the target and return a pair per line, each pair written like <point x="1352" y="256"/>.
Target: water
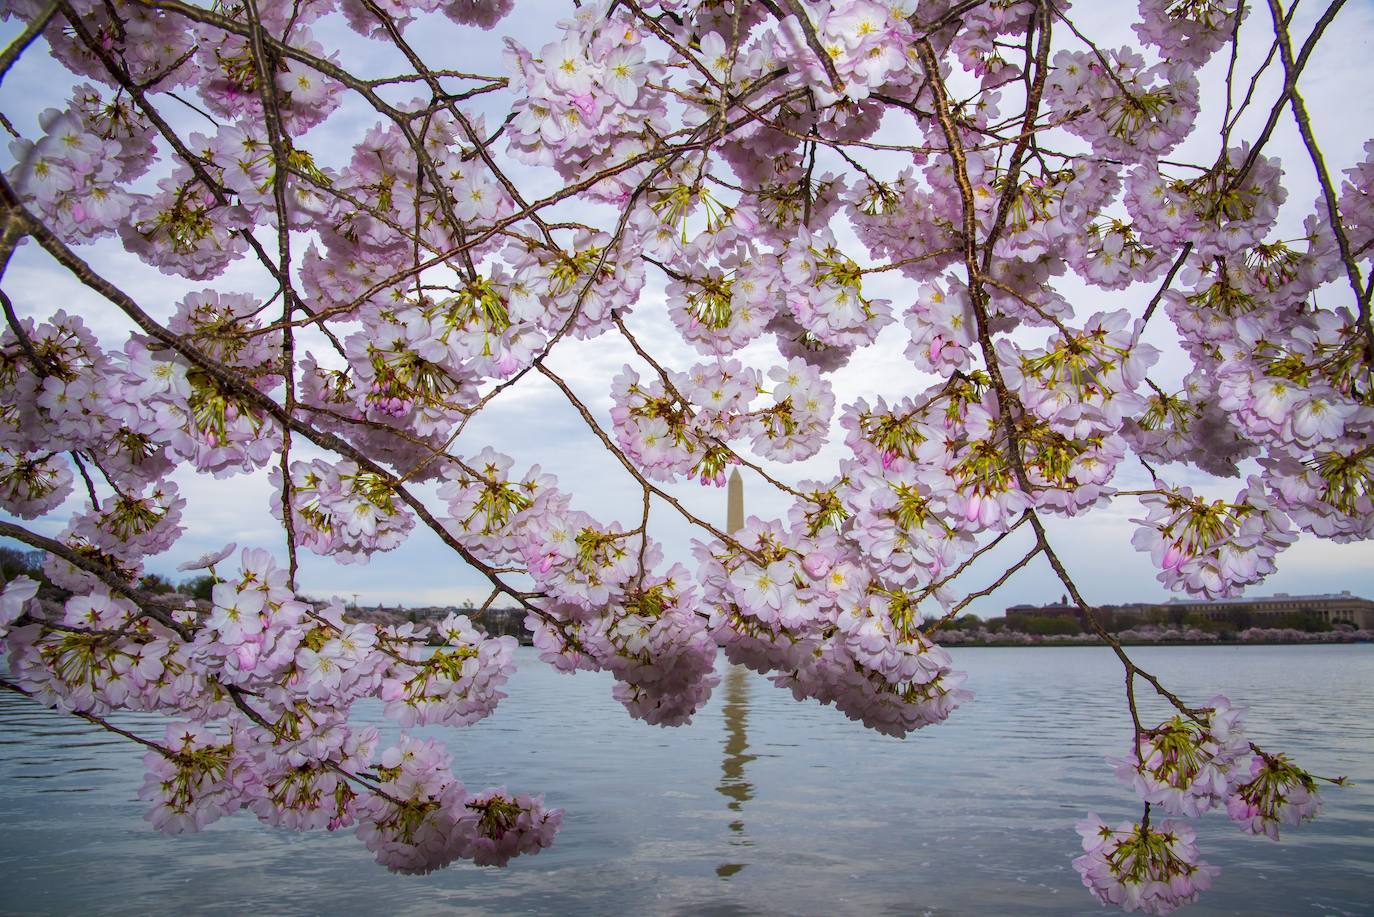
<point x="761" y="806"/>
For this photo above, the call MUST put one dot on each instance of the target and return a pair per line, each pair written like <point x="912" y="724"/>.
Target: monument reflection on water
<point x="733" y="785"/>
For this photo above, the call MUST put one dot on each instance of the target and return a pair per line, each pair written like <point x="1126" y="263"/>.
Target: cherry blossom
<point x="1140" y="868"/>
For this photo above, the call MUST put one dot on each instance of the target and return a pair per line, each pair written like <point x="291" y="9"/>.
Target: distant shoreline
<point x="1009" y="644"/>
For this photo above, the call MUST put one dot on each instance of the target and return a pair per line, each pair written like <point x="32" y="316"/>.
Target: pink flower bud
<point x="246" y="655"/>
<point x="584" y="102"/>
<point x="816" y="564"/>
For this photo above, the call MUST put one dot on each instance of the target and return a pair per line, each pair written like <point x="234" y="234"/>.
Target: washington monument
<point x="734" y="503"/>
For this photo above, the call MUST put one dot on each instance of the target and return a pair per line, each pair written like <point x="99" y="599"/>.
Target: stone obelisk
<point x="734" y="503"/>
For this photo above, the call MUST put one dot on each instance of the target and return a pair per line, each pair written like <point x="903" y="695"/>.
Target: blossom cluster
<point x="1184" y="766"/>
<point x="682" y="423"/>
<point x="281" y="675"/>
<point x="425" y="819"/>
<point x="1187" y="766"/>
<point x="1140" y="868"/>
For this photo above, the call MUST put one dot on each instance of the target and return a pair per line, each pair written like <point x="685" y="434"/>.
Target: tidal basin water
<point x="760" y="806"/>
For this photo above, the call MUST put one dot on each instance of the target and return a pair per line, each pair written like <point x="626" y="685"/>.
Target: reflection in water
<point x="732" y="784"/>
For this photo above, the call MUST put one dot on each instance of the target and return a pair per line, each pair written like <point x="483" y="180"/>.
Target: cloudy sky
<point x="534" y="424"/>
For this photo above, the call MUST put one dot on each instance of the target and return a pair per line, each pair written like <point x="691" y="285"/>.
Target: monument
<point x="734" y="503"/>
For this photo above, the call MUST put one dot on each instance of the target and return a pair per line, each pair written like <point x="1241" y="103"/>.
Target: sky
<point x="534" y="424"/>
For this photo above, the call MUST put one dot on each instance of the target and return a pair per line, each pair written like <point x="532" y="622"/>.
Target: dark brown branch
<point x="1309" y="139"/>
<point x="115" y="583"/>
<point x="95" y="720"/>
<point x="814" y="43"/>
<point x="280" y="143"/>
<point x="1168" y="280"/>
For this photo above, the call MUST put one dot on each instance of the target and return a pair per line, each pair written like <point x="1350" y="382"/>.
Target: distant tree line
<point x="1234" y="621"/>
<point x="14" y="563"/>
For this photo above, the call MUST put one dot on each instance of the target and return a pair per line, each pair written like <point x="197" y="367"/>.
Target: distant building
<point x="1019" y="615"/>
<point x="1111" y="616"/>
<point x="1332" y="608"/>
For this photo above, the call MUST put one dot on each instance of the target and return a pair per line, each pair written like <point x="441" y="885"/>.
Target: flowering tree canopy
<point x="770" y="167"/>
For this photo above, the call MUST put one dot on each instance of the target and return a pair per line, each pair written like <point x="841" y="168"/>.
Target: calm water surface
<point x="761" y="806"/>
